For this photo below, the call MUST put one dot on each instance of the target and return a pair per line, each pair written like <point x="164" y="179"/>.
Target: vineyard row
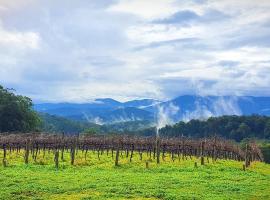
<point x="153" y="147"/>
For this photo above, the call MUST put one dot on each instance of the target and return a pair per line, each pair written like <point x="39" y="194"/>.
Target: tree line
<point x="230" y="127"/>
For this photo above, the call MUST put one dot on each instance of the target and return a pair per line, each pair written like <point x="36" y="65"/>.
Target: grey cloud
<point x="103" y="61"/>
<point x="250" y="40"/>
<point x="47" y="72"/>
<point x="180" y="17"/>
<point x="187" y="17"/>
<point x="212" y="15"/>
<point x="176" y="42"/>
<point x="172" y="87"/>
<point x="228" y="63"/>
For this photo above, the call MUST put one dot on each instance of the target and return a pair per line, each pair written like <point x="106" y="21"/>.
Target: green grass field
<point x="100" y="179"/>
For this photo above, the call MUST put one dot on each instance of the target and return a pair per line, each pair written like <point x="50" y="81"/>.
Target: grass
<point x="100" y="179"/>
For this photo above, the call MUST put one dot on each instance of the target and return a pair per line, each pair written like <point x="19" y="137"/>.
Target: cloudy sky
<point x="76" y="50"/>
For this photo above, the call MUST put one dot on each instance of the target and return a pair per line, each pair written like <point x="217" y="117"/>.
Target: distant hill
<point x="128" y="114"/>
<point x="107" y="111"/>
<point x="100" y="111"/>
<point x="56" y="124"/>
<point x="198" y="107"/>
<point x="141" y="103"/>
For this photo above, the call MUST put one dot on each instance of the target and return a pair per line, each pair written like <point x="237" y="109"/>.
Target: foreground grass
<point x="99" y="179"/>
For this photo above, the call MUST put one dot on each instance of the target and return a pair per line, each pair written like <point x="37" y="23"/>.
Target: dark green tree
<point x="242" y="131"/>
<point x="91" y="131"/>
<point x="16" y="113"/>
<point x="267" y="129"/>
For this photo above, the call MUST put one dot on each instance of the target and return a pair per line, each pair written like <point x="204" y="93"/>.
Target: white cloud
<point x="157" y="33"/>
<point x="244" y="54"/>
<point x="19" y="39"/>
<point x="146" y="9"/>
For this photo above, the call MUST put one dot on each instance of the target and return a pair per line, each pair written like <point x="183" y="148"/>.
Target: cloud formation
<point x="79" y="50"/>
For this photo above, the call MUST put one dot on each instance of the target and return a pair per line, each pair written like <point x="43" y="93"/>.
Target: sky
<point x="76" y="50"/>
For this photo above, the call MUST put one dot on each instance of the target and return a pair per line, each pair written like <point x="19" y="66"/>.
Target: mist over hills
<point x="101" y="110"/>
<point x="108" y="111"/>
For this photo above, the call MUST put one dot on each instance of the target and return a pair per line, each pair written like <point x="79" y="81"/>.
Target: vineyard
<point x="43" y="166"/>
<point x="117" y="147"/>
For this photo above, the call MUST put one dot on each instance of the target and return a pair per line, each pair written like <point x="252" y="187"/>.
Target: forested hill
<point x="231" y="127"/>
<point x="56" y="124"/>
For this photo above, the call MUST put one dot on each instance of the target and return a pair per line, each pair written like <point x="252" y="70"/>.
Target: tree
<point x="16" y="113"/>
<point x="267" y="129"/>
<point x="90" y="131"/>
<point x="242" y="131"/>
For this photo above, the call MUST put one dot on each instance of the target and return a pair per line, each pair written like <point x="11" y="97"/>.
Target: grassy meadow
<point x="94" y="178"/>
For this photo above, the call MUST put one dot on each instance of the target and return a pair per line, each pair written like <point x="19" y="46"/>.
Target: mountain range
<point x="187" y="107"/>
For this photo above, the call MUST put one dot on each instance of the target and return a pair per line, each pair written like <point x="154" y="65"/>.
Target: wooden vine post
<point x="5" y="155"/>
<point x="131" y="154"/>
<point x="247" y="156"/>
<point x="202" y="152"/>
<point x="158" y="147"/>
<point x="72" y="152"/>
<point x="214" y="156"/>
<point x="117" y="157"/>
<point x="26" y="153"/>
<point x="56" y="158"/>
<point x="62" y="146"/>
